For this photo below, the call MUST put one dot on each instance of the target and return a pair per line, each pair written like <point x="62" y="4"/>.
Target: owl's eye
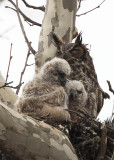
<point x="79" y="92"/>
<point x="74" y="50"/>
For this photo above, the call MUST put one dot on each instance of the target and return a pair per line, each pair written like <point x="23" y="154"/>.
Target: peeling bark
<point x="60" y="18"/>
<point x="29" y="139"/>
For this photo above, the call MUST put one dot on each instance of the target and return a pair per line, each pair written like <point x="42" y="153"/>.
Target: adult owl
<point x="45" y="94"/>
<point x="77" y="55"/>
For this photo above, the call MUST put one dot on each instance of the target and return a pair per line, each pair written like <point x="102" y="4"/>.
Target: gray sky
<point x="98" y="32"/>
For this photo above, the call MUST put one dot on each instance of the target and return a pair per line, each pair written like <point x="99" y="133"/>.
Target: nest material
<point x="91" y="139"/>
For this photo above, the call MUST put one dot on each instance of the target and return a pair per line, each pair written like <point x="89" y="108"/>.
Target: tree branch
<point x="7" y="85"/>
<point x="23" y="15"/>
<point x="28" y="139"/>
<point x="78" y="15"/>
<point x="9" y="63"/>
<point x="42" y="8"/>
<point x="23" y="71"/>
<point x="110" y="87"/>
<point x="23" y="31"/>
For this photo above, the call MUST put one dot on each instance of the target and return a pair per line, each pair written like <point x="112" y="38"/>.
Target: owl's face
<point x="75" y="50"/>
<point x="76" y="92"/>
<point x="56" y="71"/>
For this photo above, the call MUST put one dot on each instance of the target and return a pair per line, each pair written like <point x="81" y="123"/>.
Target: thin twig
<point x="42" y="8"/>
<point x="22" y="28"/>
<point x="78" y="15"/>
<point x="79" y="5"/>
<point x="9" y="63"/>
<point x="23" y="15"/>
<point x="110" y="87"/>
<point x="7" y="85"/>
<point x="22" y="73"/>
<point x="23" y="31"/>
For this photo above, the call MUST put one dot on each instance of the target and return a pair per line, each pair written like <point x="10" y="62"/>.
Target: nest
<point x="91" y="139"/>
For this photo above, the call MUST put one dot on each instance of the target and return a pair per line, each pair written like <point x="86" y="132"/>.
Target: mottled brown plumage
<point x="45" y="95"/>
<point x="82" y="70"/>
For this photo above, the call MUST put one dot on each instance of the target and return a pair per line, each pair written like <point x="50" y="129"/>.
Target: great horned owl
<point x="45" y="95"/>
<point x="83" y="69"/>
<point x="77" y="96"/>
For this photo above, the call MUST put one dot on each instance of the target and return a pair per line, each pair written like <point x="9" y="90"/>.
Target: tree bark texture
<point x="60" y="18"/>
<point x="29" y="139"/>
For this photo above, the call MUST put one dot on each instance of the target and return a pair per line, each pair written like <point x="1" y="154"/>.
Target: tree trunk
<point x="27" y="139"/>
<point x="60" y="18"/>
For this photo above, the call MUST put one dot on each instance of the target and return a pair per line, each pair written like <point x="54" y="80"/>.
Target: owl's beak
<point x="73" y="94"/>
<point x="63" y="81"/>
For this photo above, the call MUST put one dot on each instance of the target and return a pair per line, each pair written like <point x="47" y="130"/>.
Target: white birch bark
<point x="60" y="17"/>
<point x="28" y="139"/>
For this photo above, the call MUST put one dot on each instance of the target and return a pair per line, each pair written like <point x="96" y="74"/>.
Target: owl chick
<point x="77" y="95"/>
<point x="45" y="95"/>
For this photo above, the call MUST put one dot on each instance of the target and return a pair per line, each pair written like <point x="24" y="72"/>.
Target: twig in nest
<point x="110" y="87"/>
<point x="103" y="143"/>
<point x="42" y="8"/>
<point x="9" y="63"/>
<point x="78" y="15"/>
<point x="22" y="73"/>
<point x="91" y="140"/>
<point x="7" y="85"/>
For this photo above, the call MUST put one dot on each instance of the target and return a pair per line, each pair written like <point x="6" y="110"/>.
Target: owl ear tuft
<point x="78" y="40"/>
<point x="58" y="42"/>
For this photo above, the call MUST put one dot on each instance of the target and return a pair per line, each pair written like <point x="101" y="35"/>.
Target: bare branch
<point x="23" y="31"/>
<point x="23" y="71"/>
<point x="78" y="15"/>
<point x="23" y="15"/>
<point x="42" y="8"/>
<point x="7" y="85"/>
<point x="110" y="87"/>
<point x="79" y="4"/>
<point x="9" y="63"/>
